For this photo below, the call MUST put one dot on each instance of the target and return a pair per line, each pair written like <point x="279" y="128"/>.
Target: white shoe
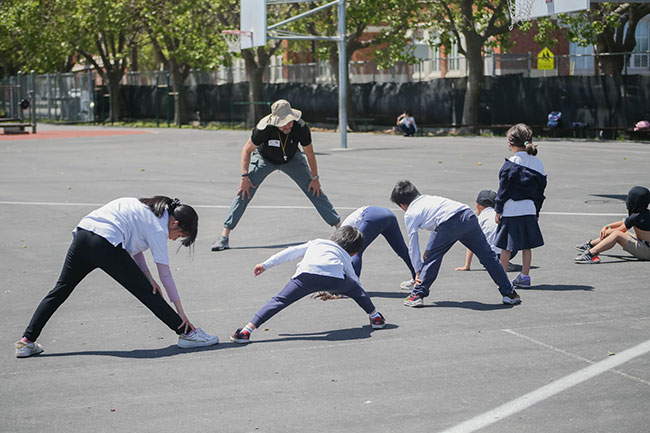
<point x="24" y="350"/>
<point x="198" y="338"/>
<point x="407" y="285"/>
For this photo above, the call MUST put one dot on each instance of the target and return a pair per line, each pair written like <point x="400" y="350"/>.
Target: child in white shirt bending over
<point x="486" y="219"/>
<point x="449" y="221"/>
<point x="326" y="266"/>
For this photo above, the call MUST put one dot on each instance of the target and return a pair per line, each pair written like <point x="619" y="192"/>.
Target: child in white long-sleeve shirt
<point x="326" y="266"/>
<point x="449" y="221"/>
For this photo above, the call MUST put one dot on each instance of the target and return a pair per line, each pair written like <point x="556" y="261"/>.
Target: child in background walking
<point x="522" y="182"/>
<point x="113" y="239"/>
<point x="326" y="266"/>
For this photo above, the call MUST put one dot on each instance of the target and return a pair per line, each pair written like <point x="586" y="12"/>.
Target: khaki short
<point x="639" y="249"/>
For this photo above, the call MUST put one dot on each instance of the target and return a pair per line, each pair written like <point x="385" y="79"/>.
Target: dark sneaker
<point x="588" y="258"/>
<point x="377" y="322"/>
<point x="522" y="281"/>
<point x="220" y="244"/>
<point x="24" y="350"/>
<point x="241" y="336"/>
<point x="414" y="301"/>
<point x="583" y="247"/>
<point x="511" y="299"/>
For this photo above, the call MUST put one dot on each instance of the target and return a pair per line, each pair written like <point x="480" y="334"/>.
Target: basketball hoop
<point x="233" y="39"/>
<point x="520" y="11"/>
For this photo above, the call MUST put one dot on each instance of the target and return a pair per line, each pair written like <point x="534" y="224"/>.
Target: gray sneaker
<point x="220" y="244"/>
<point x="198" y="338"/>
<point x="24" y="350"/>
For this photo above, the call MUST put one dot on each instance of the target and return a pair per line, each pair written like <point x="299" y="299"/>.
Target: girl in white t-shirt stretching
<point x="522" y="182"/>
<point x="113" y="239"/>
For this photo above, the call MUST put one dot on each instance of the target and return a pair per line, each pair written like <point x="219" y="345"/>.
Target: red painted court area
<point x="78" y="133"/>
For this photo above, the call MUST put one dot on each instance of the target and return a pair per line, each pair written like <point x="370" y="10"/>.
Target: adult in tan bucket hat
<point x="273" y="145"/>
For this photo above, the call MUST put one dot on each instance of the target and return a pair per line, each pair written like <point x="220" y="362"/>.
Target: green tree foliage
<point x="185" y="35"/>
<point x="379" y="26"/>
<point x="31" y="38"/>
<point x="471" y="25"/>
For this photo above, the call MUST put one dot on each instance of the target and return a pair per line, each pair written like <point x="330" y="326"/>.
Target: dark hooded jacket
<point x="517" y="182"/>
<point x="637" y="202"/>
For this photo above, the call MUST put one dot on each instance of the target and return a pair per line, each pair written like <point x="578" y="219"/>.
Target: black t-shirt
<point x="277" y="147"/>
<point x="640" y="220"/>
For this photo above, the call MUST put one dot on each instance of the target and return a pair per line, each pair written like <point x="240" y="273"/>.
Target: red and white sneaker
<point x="588" y="258"/>
<point x="377" y="322"/>
<point x="241" y="336"/>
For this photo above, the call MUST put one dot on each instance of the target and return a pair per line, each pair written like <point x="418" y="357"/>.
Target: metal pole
<point x="19" y="95"/>
<point x="343" y="72"/>
<point x="32" y="106"/>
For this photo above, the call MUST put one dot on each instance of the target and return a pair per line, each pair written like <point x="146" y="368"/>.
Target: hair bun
<point x="174" y="203"/>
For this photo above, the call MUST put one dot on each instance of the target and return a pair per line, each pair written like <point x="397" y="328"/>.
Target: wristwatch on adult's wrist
<point x="315" y="177"/>
<point x="244" y="175"/>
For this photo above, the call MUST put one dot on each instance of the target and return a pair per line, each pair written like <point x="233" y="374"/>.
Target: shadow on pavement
<point x="471" y="305"/>
<point x="394" y="295"/>
<point x="140" y="353"/>
<point x="335" y="335"/>
<point x="557" y="287"/>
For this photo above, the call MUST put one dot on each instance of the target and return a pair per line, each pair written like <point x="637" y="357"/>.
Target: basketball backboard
<point x="253" y="19"/>
<point x="542" y="8"/>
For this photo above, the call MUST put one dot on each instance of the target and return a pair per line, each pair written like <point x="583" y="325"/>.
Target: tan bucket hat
<point x="281" y="114"/>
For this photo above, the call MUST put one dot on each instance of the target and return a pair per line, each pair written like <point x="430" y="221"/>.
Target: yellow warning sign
<point x="545" y="59"/>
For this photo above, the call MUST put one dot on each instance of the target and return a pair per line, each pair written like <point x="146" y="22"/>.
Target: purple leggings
<point x="304" y="284"/>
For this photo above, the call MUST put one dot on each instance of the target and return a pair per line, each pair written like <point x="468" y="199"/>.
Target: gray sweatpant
<point x="298" y="170"/>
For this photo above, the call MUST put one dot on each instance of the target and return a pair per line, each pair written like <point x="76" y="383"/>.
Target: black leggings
<point x="88" y="252"/>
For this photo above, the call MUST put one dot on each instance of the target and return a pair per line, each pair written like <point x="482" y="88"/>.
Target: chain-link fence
<point x="81" y="96"/>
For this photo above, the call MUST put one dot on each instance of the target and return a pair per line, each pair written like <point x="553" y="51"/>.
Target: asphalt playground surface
<point x="573" y="357"/>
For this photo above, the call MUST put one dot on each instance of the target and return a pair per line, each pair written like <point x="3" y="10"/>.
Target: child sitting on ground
<point x="326" y="266"/>
<point x="618" y="232"/>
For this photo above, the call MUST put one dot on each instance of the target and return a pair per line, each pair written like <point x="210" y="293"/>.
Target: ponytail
<point x="188" y="219"/>
<point x="521" y="136"/>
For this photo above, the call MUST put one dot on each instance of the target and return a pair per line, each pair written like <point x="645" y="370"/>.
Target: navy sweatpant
<point x="461" y="227"/>
<point x="304" y="284"/>
<point x="381" y="221"/>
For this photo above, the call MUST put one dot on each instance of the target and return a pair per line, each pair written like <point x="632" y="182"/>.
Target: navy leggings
<point x="461" y="227"/>
<point x="381" y="221"/>
<point x="304" y="284"/>
<point x="90" y="251"/>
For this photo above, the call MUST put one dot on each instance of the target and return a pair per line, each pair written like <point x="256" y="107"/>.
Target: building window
<point x="582" y="58"/>
<point x="641" y="35"/>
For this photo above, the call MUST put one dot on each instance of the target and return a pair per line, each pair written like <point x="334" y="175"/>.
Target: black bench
<point x="14" y="128"/>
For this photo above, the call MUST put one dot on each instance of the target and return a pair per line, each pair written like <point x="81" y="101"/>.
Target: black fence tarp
<point x="600" y="101"/>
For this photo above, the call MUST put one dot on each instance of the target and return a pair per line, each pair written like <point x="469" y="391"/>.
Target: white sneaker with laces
<point x="407" y="285"/>
<point x="24" y="350"/>
<point x="198" y="338"/>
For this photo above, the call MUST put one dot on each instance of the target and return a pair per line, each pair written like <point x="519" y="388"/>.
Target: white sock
<point x="375" y="314"/>
<point x="247" y="328"/>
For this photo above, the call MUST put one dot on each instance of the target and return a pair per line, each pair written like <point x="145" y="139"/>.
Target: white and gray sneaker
<point x="25" y="350"/>
<point x="197" y="338"/>
<point x="220" y="244"/>
<point x="407" y="285"/>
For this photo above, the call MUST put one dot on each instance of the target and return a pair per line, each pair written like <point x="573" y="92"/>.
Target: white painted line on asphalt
<point x="525" y="401"/>
<point x="217" y="206"/>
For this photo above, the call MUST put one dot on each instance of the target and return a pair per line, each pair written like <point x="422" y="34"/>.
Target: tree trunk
<point x="113" y="79"/>
<point x="179" y="75"/>
<point x="255" y="73"/>
<point x="472" y="101"/>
